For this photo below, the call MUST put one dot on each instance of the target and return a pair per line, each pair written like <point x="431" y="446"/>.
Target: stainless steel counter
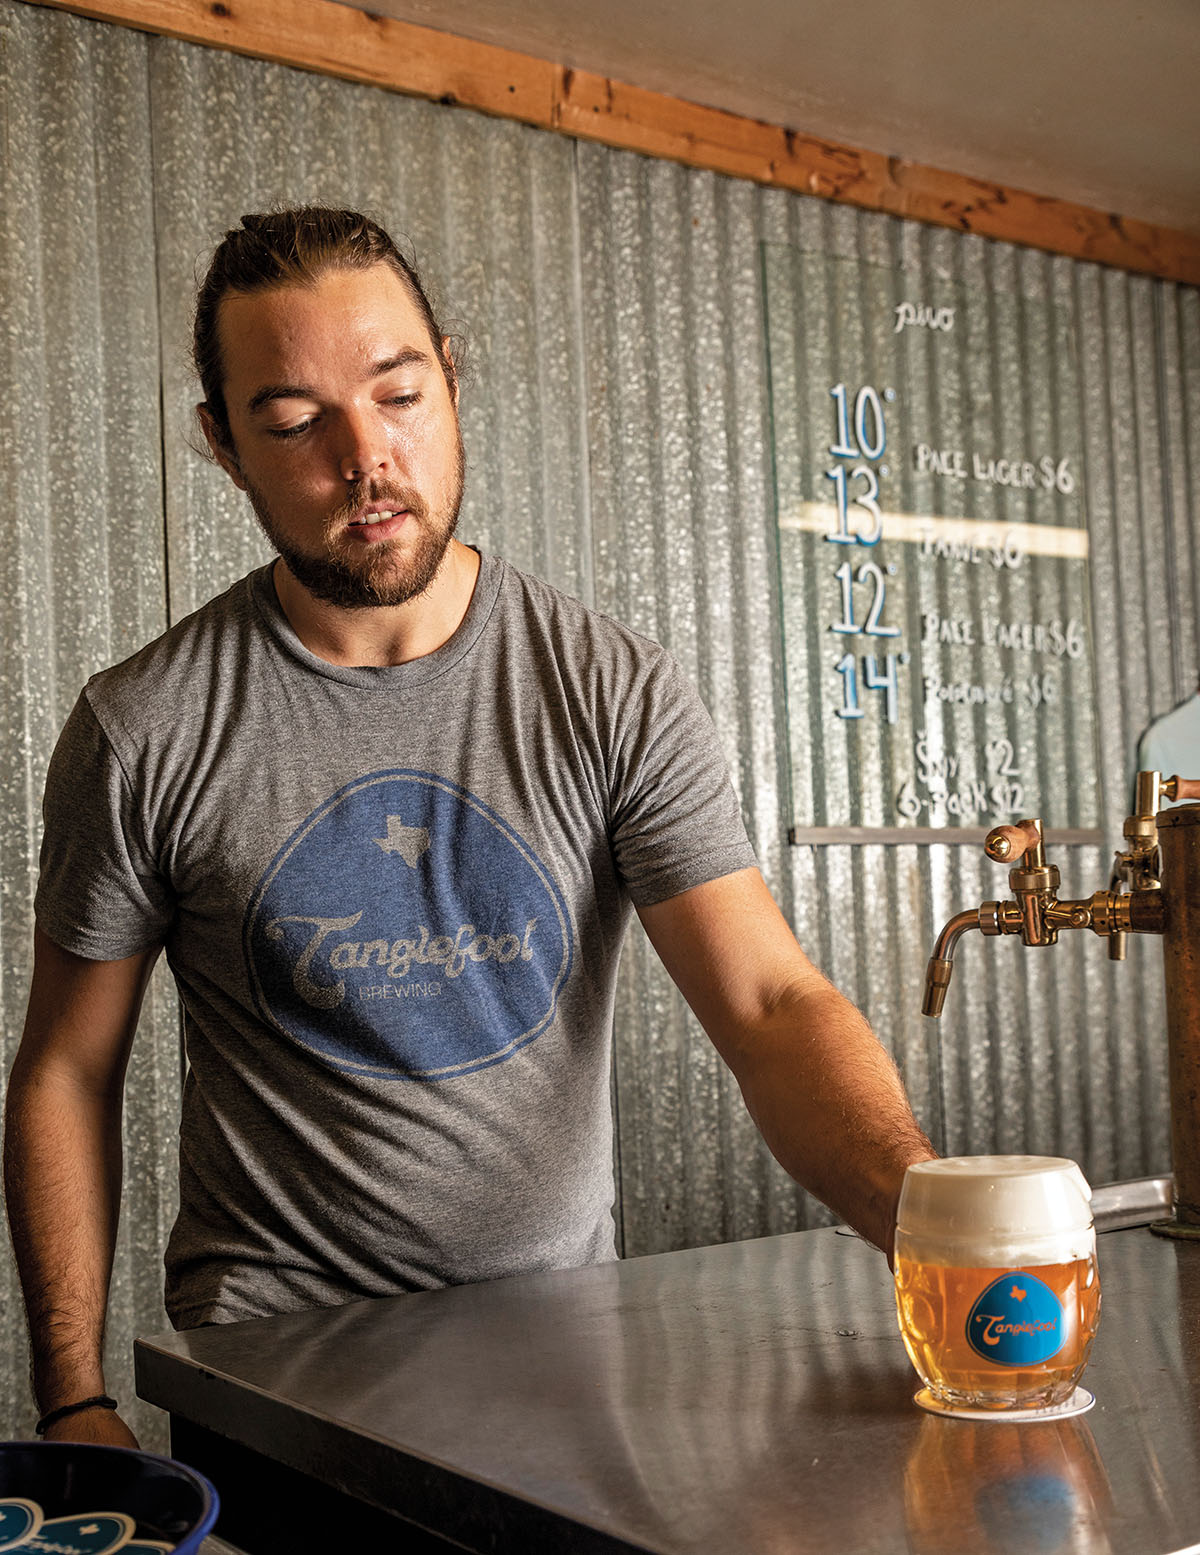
<point x="749" y="1399"/>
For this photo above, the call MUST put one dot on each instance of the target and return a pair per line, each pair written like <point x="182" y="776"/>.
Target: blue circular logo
<point x="1016" y="1321"/>
<point x="405" y="931"/>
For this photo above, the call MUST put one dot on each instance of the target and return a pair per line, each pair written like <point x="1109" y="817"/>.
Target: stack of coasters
<point x="88" y="1498"/>
<point x="25" y="1531"/>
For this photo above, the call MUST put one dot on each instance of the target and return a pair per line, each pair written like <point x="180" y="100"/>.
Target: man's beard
<point x="357" y="576"/>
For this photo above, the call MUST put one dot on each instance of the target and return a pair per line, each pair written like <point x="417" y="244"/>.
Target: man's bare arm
<point x="62" y="1168"/>
<point x="825" y="1096"/>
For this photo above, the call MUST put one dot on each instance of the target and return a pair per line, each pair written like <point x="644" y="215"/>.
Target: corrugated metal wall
<point x="81" y="584"/>
<point x="618" y="438"/>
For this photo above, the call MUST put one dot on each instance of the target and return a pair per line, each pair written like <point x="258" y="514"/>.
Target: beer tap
<point x="1153" y="890"/>
<point x="1037" y="913"/>
<point x="1139" y="867"/>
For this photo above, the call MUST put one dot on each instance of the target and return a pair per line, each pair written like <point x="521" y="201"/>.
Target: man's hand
<point x="825" y="1096"/>
<point x="103" y="1427"/>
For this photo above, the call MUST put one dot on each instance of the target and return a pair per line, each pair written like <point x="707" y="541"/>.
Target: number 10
<point x="865" y="446"/>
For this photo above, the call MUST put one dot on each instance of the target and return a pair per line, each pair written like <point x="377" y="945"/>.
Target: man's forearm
<point x="824" y="1094"/>
<point x="62" y="1174"/>
<point x="829" y="1103"/>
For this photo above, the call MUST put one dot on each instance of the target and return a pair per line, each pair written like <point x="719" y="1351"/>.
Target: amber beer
<point x="997" y="1292"/>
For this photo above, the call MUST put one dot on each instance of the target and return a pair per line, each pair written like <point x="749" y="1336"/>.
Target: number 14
<point x="847" y="668"/>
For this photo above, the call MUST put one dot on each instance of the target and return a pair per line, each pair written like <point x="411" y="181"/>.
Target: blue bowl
<point x="168" y="1501"/>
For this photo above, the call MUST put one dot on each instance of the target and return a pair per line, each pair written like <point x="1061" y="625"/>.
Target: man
<point x="385" y="804"/>
<point x="1171" y="744"/>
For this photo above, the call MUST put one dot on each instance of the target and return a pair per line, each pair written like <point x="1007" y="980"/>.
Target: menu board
<point x="933" y="550"/>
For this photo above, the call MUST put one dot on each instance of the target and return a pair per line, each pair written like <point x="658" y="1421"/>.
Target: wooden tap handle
<point x="1005" y="843"/>
<point x="1181" y="788"/>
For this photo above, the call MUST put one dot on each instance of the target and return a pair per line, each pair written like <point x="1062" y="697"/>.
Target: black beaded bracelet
<point x="101" y="1401"/>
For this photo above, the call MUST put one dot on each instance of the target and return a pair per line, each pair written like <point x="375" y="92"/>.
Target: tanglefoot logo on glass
<point x="1017" y="1321"/>
<point x="405" y="931"/>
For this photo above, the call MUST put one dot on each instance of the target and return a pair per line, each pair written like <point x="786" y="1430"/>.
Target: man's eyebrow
<point x="409" y="357"/>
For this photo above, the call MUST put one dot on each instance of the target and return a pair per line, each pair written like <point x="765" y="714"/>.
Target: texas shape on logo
<point x="409" y="842"/>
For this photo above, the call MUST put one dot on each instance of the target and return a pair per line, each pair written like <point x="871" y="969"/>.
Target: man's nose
<point x="364" y="450"/>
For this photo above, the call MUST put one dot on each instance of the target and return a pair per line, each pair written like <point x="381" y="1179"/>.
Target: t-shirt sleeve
<point x="675" y="819"/>
<point x="99" y="893"/>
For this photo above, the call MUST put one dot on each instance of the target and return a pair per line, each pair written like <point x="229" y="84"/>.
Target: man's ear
<point x="220" y="450"/>
<point x="448" y="356"/>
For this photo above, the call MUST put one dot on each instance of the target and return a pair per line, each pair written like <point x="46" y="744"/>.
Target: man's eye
<point x="403" y="399"/>
<point x="301" y="426"/>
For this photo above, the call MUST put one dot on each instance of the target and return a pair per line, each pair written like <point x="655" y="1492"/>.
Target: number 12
<point x="847" y="626"/>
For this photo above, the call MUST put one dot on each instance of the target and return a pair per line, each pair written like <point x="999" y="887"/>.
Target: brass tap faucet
<point x="1155" y="889"/>
<point x="1139" y="867"/>
<point x="1132" y="904"/>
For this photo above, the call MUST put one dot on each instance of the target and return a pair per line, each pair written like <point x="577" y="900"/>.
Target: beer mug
<point x="996" y="1285"/>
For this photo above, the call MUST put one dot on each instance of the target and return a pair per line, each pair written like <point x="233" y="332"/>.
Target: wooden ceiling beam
<point x="338" y="40"/>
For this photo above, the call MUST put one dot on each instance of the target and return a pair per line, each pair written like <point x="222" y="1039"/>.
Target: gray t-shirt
<point x="393" y="900"/>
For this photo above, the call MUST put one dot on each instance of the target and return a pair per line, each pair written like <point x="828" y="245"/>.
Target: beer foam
<point x="980" y="1250"/>
<point x="989" y="1211"/>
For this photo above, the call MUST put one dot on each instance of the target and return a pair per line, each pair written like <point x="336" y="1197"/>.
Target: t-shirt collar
<point x="392" y="677"/>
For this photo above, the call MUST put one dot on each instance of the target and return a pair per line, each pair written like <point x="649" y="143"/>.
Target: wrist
<point x="65" y="1374"/>
<point x="75" y="1407"/>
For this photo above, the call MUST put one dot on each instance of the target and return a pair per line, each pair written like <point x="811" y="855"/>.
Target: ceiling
<point x="1094" y="101"/>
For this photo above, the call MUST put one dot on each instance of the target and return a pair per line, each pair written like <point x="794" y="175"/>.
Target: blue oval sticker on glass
<point x="406" y="931"/>
<point x="1017" y="1321"/>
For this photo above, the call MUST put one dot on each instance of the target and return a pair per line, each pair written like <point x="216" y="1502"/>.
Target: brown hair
<point x="294" y="245"/>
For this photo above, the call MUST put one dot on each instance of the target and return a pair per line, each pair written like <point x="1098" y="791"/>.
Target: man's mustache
<point x="402" y="498"/>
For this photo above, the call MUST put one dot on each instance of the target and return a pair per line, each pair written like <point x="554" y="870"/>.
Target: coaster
<point x="1078" y="1404"/>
